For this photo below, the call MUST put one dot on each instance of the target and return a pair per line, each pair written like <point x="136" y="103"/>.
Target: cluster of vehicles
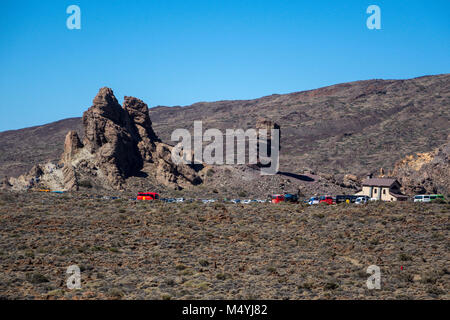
<point x="277" y="198"/>
<point x="364" y="199"/>
<point x="155" y="196"/>
<point x="339" y="199"/>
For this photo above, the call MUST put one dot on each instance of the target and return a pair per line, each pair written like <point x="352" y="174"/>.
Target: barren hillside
<point x="351" y="127"/>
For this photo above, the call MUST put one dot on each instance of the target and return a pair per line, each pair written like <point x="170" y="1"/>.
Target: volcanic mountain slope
<point x="21" y="149"/>
<point x="346" y="128"/>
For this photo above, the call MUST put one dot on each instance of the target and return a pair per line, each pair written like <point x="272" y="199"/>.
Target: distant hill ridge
<point x="352" y="127"/>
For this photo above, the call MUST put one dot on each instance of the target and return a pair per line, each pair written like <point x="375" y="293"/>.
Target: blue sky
<point x="171" y="52"/>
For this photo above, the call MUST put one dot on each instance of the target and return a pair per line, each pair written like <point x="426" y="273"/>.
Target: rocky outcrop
<point x="267" y="124"/>
<point x="118" y="143"/>
<point x="28" y="180"/>
<point x="72" y="145"/>
<point x="4" y="183"/>
<point x="169" y="173"/>
<point x="266" y="141"/>
<point x="146" y="137"/>
<point x="425" y="172"/>
<point x="350" y="181"/>
<point x="109" y="135"/>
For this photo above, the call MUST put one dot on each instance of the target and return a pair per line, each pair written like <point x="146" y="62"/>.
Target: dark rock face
<point x="266" y="141"/>
<point x="118" y="142"/>
<point x="36" y="171"/>
<point x="72" y="144"/>
<point x="141" y="126"/>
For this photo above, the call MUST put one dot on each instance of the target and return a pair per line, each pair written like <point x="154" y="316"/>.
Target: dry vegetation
<point x="136" y="250"/>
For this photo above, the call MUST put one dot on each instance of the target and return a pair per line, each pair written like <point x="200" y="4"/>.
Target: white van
<point x="362" y="200"/>
<point x="422" y="198"/>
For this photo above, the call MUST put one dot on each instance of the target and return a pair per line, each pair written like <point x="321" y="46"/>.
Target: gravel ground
<point x="140" y="250"/>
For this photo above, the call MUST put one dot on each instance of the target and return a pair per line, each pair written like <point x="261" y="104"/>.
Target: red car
<point x="147" y="196"/>
<point x="327" y="199"/>
<point x="277" y="198"/>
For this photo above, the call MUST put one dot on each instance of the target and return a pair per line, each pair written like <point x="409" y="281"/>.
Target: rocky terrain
<point x="427" y="172"/>
<point x="141" y="250"/>
<point x="349" y="128"/>
<point x="120" y="151"/>
<point x="118" y="143"/>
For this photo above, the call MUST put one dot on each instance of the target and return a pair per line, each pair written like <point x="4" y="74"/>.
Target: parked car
<point x="313" y="200"/>
<point x="147" y="196"/>
<point x="179" y="199"/>
<point x="288" y="197"/>
<point x="327" y="199"/>
<point x="277" y="198"/>
<point x="236" y="201"/>
<point x="346" y="198"/>
<point x="246" y="201"/>
<point x="362" y="200"/>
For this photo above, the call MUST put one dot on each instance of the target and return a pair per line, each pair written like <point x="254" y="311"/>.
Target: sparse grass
<point x="36" y="278"/>
<point x="331" y="286"/>
<point x="203" y="263"/>
<point x="223" y="276"/>
<point x="234" y="252"/>
<point x="405" y="257"/>
<point x="115" y="293"/>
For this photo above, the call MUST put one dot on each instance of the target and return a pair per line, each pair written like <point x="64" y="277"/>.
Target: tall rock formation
<point x="266" y="141"/>
<point x="118" y="143"/>
<point x="140" y="119"/>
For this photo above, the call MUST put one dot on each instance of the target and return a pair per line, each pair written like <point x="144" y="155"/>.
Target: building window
<point x="375" y="191"/>
<point x="384" y="191"/>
